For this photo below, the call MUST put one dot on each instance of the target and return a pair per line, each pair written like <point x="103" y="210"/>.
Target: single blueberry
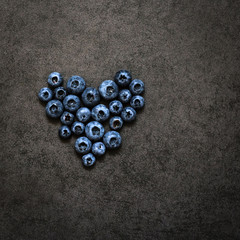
<point x="76" y="85"/>
<point x="64" y="132"/>
<point x="94" y="130"/>
<point x="78" y="128"/>
<point x="71" y="103"/>
<point x="60" y="93"/>
<point x="100" y="113"/>
<point x="88" y="160"/>
<point x="67" y="118"/>
<point x="83" y="145"/>
<point x="116" y="123"/>
<point x="54" y="108"/>
<point x="55" y="79"/>
<point x="112" y="139"/>
<point x="137" y="102"/>
<point x="115" y="107"/>
<point x="98" y="149"/>
<point x="124" y="96"/>
<point x="128" y="114"/>
<point x="45" y="94"/>
<point x="90" y="97"/>
<point x="136" y="87"/>
<point x="123" y="78"/>
<point x="108" y="89"/>
<point x="83" y="114"/>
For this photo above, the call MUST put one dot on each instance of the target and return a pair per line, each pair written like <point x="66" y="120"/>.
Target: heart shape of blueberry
<point x="82" y="114"/>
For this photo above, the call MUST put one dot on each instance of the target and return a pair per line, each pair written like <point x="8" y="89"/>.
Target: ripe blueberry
<point x="78" y="128"/>
<point x="60" y="93"/>
<point x="124" y="96"/>
<point x="137" y="102"/>
<point x="83" y="145"/>
<point x="108" y="89"/>
<point x="55" y="79"/>
<point x="71" y="103"/>
<point x="88" y="160"/>
<point x="90" y="97"/>
<point x="136" y="87"/>
<point x="116" y="123"/>
<point x="64" y="132"/>
<point x="98" y="149"/>
<point x="100" y="113"/>
<point x="115" y="107"/>
<point x="83" y="114"/>
<point x="112" y="139"/>
<point x="76" y="85"/>
<point x="54" y="108"/>
<point x="67" y="118"/>
<point x="123" y="78"/>
<point x="94" y="130"/>
<point x="45" y="94"/>
<point x="128" y="114"/>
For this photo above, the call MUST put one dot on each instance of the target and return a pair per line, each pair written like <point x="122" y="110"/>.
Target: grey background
<point x="177" y="173"/>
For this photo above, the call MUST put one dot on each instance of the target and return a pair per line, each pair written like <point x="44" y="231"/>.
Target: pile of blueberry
<point x="81" y="113"/>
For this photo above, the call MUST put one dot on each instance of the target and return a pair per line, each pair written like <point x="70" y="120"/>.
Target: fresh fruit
<point x="54" y="109"/>
<point x="45" y="94"/>
<point x="123" y="78"/>
<point x="76" y="85"/>
<point x="115" y="107"/>
<point x="67" y="118"/>
<point x="64" y="132"/>
<point x="128" y="114"/>
<point x="137" y="102"/>
<point x="94" y="130"/>
<point x="124" y="96"/>
<point x="108" y="89"/>
<point x="71" y="103"/>
<point x="83" y="114"/>
<point x="83" y="145"/>
<point x="100" y="113"/>
<point x="55" y="79"/>
<point x="98" y="149"/>
<point x="116" y="123"/>
<point x="136" y="87"/>
<point x="112" y="139"/>
<point x="90" y="97"/>
<point x="77" y="128"/>
<point x="88" y="160"/>
<point x="60" y="93"/>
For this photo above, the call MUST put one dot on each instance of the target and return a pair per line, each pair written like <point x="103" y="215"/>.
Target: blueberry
<point x="112" y="139"/>
<point x="71" y="103"/>
<point x="136" y="87"/>
<point x="128" y="114"/>
<point x="67" y="118"/>
<point x="76" y="85"/>
<point x="116" y="123"/>
<point x="45" y="94"/>
<point x="54" y="108"/>
<point x="115" y="107"/>
<point x="60" y="93"/>
<point x="64" y="132"/>
<point x="88" y="160"/>
<point x="83" y="145"/>
<point x="124" y="96"/>
<point x="108" y="89"/>
<point x="137" y="102"/>
<point x="55" y="79"/>
<point x="83" y="114"/>
<point x="98" y="149"/>
<point x="94" y="130"/>
<point x="78" y="128"/>
<point x="90" y="97"/>
<point x="123" y="78"/>
<point x="100" y="113"/>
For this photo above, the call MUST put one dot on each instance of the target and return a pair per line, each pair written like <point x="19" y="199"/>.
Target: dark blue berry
<point x="83" y="114"/>
<point x="98" y="149"/>
<point x="94" y="130"/>
<point x="54" y="109"/>
<point x="108" y="89"/>
<point x="115" y="107"/>
<point x="124" y="96"/>
<point x="71" y="103"/>
<point x="45" y="94"/>
<point x="64" y="132"/>
<point x="137" y="102"/>
<point x="88" y="160"/>
<point x="67" y="118"/>
<point x="83" y="145"/>
<point x="55" y="79"/>
<point x="136" y="87"/>
<point x="128" y="114"/>
<point x="100" y="113"/>
<point x="123" y="78"/>
<point x="76" y="85"/>
<point x="90" y="97"/>
<point x="60" y="93"/>
<point x="112" y="139"/>
<point x="116" y="123"/>
<point x="78" y="128"/>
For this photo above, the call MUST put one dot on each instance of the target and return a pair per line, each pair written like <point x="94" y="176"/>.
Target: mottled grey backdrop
<point x="177" y="175"/>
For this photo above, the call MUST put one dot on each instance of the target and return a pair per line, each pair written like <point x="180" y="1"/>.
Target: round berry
<point x="94" y="130"/>
<point x="60" y="93"/>
<point x="98" y="149"/>
<point x="83" y="114"/>
<point x="116" y="123"/>
<point x="124" y="96"/>
<point x="136" y="87"/>
<point x="67" y="118"/>
<point x="128" y="114"/>
<point x="137" y="102"/>
<point x="88" y="160"/>
<point x="76" y="85"/>
<point x="100" y="113"/>
<point x="112" y="139"/>
<point x="90" y="97"/>
<point x="83" y="145"/>
<point x="71" y="103"/>
<point x="54" y="109"/>
<point x="55" y="79"/>
<point x="115" y="107"/>
<point x="78" y="128"/>
<point x="64" y="132"/>
<point x="108" y="89"/>
<point x="123" y="78"/>
<point x="45" y="94"/>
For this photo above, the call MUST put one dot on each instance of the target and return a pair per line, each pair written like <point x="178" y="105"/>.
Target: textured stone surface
<point x="177" y="173"/>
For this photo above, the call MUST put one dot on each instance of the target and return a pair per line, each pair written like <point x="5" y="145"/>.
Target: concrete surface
<point x="177" y="173"/>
